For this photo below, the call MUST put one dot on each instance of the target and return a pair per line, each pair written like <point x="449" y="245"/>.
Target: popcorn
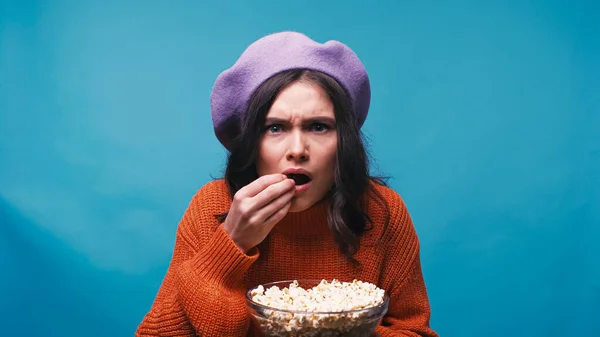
<point x="325" y="309"/>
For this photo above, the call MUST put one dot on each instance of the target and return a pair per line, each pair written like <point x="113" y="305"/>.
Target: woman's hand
<point x="257" y="208"/>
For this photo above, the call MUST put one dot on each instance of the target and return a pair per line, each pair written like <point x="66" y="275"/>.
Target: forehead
<point x="302" y="100"/>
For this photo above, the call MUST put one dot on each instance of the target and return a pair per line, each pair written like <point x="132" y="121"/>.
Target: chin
<point x="299" y="205"/>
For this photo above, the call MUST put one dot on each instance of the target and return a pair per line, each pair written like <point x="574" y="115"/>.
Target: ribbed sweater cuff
<point x="221" y="260"/>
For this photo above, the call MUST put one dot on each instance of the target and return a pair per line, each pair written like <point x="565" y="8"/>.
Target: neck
<point x="307" y="223"/>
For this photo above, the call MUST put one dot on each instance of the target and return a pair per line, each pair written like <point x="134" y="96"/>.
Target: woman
<point x="296" y="202"/>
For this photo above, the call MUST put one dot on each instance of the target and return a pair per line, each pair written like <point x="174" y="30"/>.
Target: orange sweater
<point x="203" y="290"/>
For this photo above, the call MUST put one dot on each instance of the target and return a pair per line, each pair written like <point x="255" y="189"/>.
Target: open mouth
<point x="299" y="178"/>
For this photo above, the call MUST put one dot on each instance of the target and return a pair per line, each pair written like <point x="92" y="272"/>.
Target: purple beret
<point x="273" y="54"/>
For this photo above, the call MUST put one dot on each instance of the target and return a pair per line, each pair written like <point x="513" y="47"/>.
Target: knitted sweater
<point x="204" y="287"/>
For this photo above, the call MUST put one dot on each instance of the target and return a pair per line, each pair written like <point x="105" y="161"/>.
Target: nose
<point x="298" y="148"/>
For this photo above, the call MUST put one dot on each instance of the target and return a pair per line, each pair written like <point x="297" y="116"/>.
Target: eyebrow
<point x="318" y="119"/>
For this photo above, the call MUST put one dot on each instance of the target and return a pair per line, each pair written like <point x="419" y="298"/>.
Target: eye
<point x="275" y="128"/>
<point x="319" y="127"/>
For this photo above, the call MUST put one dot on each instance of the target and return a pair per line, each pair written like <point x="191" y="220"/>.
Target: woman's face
<point x="300" y="138"/>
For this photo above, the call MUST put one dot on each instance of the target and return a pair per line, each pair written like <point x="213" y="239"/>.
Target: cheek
<point x="331" y="159"/>
<point x="266" y="161"/>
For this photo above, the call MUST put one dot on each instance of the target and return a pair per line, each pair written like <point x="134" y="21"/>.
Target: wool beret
<point x="273" y="54"/>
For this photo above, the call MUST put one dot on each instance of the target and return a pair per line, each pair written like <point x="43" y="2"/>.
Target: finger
<point x="260" y="184"/>
<point x="263" y="213"/>
<point x="271" y="221"/>
<point x="272" y="192"/>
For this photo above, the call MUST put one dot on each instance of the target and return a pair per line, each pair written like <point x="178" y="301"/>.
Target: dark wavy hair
<point x="347" y="219"/>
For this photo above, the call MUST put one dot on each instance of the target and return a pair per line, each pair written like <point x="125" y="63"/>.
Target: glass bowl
<point x="272" y="321"/>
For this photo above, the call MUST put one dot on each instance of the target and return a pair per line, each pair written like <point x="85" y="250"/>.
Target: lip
<point x="302" y="188"/>
<point x="298" y="171"/>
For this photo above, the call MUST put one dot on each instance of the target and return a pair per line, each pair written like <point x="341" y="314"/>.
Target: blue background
<point x="487" y="116"/>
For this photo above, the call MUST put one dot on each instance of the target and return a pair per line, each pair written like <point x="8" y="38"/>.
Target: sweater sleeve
<point x="202" y="292"/>
<point x="408" y="312"/>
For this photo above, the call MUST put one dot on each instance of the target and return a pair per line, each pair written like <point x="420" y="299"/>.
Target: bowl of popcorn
<point x="317" y="308"/>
